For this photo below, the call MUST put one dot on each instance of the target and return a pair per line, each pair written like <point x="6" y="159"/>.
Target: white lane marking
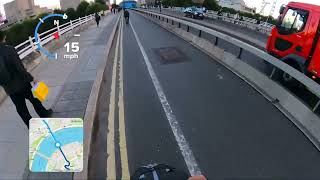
<point x="122" y="126"/>
<point x="111" y="162"/>
<point x="176" y="129"/>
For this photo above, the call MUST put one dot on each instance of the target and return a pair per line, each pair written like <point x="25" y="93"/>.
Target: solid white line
<point x="176" y="129"/>
<point x="76" y="35"/>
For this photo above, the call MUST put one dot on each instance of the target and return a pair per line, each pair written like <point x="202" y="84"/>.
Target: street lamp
<point x="159" y="3"/>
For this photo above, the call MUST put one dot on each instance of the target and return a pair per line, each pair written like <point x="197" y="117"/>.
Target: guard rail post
<point x="316" y="106"/>
<point x="31" y="43"/>
<point x="71" y="24"/>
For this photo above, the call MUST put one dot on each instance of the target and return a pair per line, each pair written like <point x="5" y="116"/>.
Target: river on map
<point x="47" y="146"/>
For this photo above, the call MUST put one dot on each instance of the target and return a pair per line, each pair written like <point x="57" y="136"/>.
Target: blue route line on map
<point x="57" y="144"/>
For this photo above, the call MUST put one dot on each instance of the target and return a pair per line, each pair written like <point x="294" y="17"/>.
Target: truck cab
<point x="295" y="38"/>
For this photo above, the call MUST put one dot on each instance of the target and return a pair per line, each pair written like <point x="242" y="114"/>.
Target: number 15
<point x="74" y="46"/>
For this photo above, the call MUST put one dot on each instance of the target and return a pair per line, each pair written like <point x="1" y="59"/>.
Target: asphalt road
<point x="257" y="39"/>
<point x="232" y="131"/>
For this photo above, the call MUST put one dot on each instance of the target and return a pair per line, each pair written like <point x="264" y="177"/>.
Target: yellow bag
<point x="40" y="91"/>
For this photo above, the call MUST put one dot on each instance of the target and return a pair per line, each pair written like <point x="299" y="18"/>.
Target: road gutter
<point x="91" y="109"/>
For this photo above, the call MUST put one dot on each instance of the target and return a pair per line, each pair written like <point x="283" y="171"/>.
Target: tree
<point x="211" y="4"/>
<point x="82" y="8"/>
<point x="167" y="2"/>
<point x="100" y="1"/>
<point x="93" y="8"/>
<point x="102" y="4"/>
<point x="72" y="14"/>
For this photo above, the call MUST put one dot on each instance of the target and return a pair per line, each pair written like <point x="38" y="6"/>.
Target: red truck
<point x="295" y="39"/>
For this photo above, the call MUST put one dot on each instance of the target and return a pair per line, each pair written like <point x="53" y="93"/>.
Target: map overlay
<point x="56" y="145"/>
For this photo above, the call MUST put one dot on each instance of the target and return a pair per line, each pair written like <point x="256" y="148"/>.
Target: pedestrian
<point x="126" y="16"/>
<point x="16" y="82"/>
<point x="97" y="18"/>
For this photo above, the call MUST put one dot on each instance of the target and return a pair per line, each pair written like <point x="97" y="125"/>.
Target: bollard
<point x="199" y="33"/>
<point x="188" y="28"/>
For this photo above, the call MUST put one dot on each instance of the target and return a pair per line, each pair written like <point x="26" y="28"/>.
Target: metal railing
<point x="311" y="85"/>
<point x="27" y="47"/>
<point x="233" y="18"/>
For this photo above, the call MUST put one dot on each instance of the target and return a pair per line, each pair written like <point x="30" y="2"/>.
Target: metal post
<point x="179" y="25"/>
<point x="316" y="107"/>
<point x="167" y="20"/>
<point x="272" y="73"/>
<point x="31" y="43"/>
<point x="58" y="28"/>
<point x="199" y="33"/>
<point x="240" y="53"/>
<point x="216" y="42"/>
<point x="71" y="24"/>
<point x="188" y="28"/>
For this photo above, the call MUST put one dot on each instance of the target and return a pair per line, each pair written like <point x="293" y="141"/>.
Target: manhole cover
<point x="170" y="55"/>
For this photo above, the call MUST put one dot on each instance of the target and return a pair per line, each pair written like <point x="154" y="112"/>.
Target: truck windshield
<point x="293" y="21"/>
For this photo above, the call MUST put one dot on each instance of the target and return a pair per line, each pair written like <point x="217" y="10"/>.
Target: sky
<point x="250" y="3"/>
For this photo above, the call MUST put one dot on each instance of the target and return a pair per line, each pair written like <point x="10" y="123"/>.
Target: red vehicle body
<point x="295" y="39"/>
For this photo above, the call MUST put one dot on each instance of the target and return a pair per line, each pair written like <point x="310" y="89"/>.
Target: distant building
<point x="150" y="2"/>
<point x="65" y="4"/>
<point x="18" y="10"/>
<point x="238" y="5"/>
<point x="141" y="2"/>
<point x="1" y="19"/>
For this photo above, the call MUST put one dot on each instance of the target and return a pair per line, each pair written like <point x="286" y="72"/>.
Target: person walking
<point x="97" y="18"/>
<point x="126" y="16"/>
<point x="16" y="82"/>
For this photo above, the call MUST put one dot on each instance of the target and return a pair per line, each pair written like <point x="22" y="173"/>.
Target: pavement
<point x="70" y="83"/>
<point x="184" y="109"/>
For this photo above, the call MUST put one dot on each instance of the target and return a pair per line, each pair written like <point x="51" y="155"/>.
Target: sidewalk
<point x="70" y="83"/>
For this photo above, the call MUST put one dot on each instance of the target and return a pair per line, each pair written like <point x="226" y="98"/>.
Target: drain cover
<point x="170" y="55"/>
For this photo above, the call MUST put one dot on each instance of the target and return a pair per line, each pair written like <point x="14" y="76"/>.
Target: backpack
<point x="159" y="172"/>
<point x="5" y="76"/>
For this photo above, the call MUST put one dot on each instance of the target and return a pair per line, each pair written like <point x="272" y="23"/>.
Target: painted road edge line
<point x="111" y="162"/>
<point x="122" y="126"/>
<point x="176" y="129"/>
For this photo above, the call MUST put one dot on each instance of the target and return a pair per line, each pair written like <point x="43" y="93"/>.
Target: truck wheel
<point x="288" y="80"/>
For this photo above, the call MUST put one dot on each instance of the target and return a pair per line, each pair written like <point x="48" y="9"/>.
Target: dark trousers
<point x="19" y="100"/>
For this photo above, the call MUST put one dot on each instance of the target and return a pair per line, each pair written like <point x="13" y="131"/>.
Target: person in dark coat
<point x="97" y="18"/>
<point x="19" y="86"/>
<point x="126" y="16"/>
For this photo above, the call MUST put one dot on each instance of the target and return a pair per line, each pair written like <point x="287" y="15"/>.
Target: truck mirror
<point x="282" y="8"/>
